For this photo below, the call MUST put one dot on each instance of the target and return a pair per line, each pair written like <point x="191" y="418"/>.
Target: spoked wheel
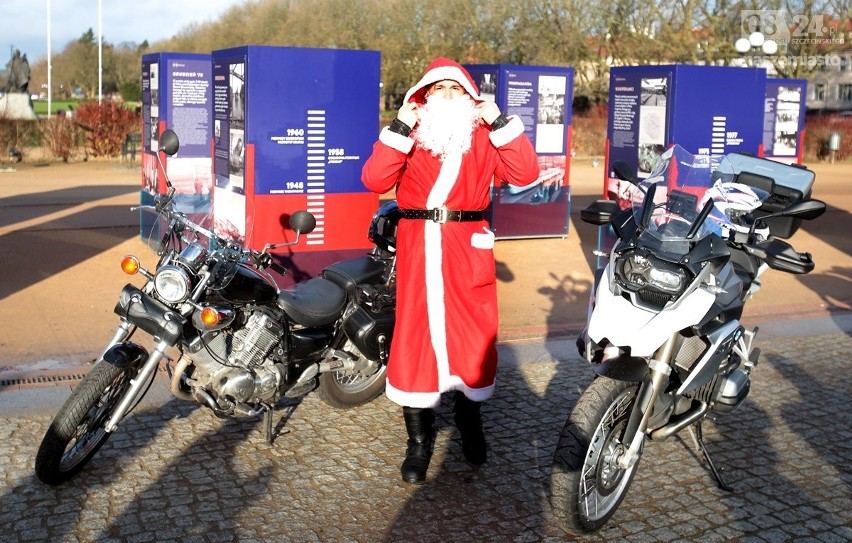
<point x="77" y="432"/>
<point x="345" y="390"/>
<point x="587" y="485"/>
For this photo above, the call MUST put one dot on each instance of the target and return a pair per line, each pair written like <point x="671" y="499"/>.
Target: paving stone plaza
<point x="174" y="472"/>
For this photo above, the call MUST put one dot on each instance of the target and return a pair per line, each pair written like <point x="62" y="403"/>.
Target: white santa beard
<point x="446" y="125"/>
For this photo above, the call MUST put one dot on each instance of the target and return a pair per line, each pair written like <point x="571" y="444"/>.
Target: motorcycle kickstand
<point x="697" y="437"/>
<point x="268" y="422"/>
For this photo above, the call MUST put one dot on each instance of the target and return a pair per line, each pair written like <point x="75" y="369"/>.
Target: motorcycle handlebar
<point x="255" y="256"/>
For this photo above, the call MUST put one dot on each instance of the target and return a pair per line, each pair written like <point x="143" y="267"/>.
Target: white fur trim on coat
<point x="401" y="143"/>
<point x="422" y="400"/>
<point x="431" y="400"/>
<point x="435" y="308"/>
<point x="502" y="136"/>
<point x="440" y="74"/>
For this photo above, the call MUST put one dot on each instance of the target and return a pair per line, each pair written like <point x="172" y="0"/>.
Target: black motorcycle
<point x="241" y="343"/>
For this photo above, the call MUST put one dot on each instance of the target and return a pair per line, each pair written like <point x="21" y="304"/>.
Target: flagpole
<point x="100" y="50"/>
<point x="49" y="65"/>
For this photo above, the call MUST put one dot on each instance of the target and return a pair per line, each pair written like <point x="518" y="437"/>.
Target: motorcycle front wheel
<point x="77" y="431"/>
<point x="587" y="485"/>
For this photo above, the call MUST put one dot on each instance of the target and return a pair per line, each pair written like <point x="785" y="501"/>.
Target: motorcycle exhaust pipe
<point x="204" y="398"/>
<point x="176" y="388"/>
<point x="344" y="362"/>
<point x="682" y="422"/>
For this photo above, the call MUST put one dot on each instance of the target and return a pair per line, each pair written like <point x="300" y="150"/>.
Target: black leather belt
<point x="442" y="215"/>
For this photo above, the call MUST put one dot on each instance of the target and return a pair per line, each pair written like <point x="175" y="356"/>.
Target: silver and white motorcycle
<point x="664" y="330"/>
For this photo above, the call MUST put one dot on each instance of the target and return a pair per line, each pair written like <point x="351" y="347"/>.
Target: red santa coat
<point x="446" y="322"/>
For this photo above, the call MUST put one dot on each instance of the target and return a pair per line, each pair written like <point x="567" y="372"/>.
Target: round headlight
<point x="172" y="284"/>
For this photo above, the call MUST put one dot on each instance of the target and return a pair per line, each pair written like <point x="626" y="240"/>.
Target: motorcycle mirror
<point x="648" y="206"/>
<point x="702" y="216"/>
<point x="804" y="209"/>
<point x="169" y="142"/>
<point x="303" y="222"/>
<point x="624" y="172"/>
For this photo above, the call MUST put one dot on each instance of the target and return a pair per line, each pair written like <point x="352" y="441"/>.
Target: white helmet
<point x="732" y="202"/>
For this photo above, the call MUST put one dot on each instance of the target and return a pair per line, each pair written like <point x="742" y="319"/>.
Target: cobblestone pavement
<point x="177" y="473"/>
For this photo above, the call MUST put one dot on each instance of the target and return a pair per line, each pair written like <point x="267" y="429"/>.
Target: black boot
<point x="420" y="424"/>
<point x="469" y="423"/>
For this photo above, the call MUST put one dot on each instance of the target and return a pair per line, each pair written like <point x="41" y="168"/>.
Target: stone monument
<point x="15" y="103"/>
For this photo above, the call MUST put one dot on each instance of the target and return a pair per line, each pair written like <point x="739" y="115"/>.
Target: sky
<point x="23" y="23"/>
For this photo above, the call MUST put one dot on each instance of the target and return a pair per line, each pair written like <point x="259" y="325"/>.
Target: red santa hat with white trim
<point x="440" y="69"/>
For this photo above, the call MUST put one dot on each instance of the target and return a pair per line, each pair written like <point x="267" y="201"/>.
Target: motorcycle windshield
<point x="669" y="202"/>
<point x="171" y="230"/>
<point x="184" y="236"/>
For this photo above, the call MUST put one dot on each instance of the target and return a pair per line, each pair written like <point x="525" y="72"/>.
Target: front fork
<point x="137" y="385"/>
<point x="122" y="333"/>
<point x="652" y="387"/>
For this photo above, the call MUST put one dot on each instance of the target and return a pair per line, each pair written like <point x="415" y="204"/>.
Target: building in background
<point x="830" y="88"/>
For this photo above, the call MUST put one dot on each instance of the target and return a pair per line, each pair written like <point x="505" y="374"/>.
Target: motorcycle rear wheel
<point x="77" y="431"/>
<point x="347" y="390"/>
<point x="586" y="484"/>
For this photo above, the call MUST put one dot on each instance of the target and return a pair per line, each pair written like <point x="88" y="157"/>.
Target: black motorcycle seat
<point x="315" y="302"/>
<point x="356" y="271"/>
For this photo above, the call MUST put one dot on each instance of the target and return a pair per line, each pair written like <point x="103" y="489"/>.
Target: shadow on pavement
<point x="25" y="207"/>
<point x="183" y="496"/>
<point x="66" y="506"/>
<point x="58" y="245"/>
<point x="831" y="281"/>
<point x="790" y="423"/>
<point x="808" y="410"/>
<point x="503" y="500"/>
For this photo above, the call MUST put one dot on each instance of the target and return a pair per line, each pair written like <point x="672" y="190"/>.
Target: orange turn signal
<point x="130" y="265"/>
<point x="209" y="316"/>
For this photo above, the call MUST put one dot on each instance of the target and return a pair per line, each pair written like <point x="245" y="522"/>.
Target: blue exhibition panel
<point x="708" y="110"/>
<point x="177" y="94"/>
<point x="292" y="129"/>
<point x="542" y="97"/>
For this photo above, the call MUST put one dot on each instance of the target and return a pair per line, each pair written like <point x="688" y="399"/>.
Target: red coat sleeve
<point x="385" y="166"/>
<point x="518" y="163"/>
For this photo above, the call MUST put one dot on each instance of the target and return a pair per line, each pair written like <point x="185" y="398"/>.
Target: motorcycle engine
<point x="235" y="367"/>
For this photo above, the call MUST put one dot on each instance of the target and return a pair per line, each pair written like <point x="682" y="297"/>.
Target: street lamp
<point x="755" y="41"/>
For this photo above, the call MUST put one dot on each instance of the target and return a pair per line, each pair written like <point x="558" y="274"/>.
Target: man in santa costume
<point x="441" y="154"/>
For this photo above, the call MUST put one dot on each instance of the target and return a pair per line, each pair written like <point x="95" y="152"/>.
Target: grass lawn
<point x="40" y="106"/>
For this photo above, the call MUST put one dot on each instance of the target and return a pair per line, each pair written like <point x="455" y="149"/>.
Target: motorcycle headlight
<point x="172" y="284"/>
<point x="670" y="281"/>
<point x="640" y="272"/>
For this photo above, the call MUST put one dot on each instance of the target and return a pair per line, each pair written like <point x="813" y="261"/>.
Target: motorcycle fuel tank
<point x="249" y="286"/>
